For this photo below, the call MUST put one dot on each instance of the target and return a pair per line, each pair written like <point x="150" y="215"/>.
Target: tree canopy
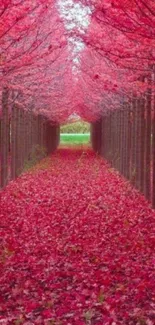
<point x="84" y="57"/>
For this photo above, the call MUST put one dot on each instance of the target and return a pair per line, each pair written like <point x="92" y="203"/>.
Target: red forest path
<point x="76" y="246"/>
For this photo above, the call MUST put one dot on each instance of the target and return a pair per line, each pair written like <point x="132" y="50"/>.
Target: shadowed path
<point x="77" y="246"/>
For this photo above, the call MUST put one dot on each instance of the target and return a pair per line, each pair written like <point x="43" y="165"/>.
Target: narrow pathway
<point x="76" y="246"/>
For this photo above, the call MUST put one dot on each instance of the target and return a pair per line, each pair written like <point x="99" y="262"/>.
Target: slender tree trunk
<point x="148" y="147"/>
<point x="13" y="142"/>
<point x="4" y="138"/>
<point x="153" y="142"/>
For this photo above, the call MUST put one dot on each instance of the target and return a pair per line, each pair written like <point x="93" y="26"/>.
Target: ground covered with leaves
<point x="76" y="246"/>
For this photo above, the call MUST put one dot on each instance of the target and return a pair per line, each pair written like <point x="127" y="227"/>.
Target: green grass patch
<point x="74" y="139"/>
<point x="75" y="127"/>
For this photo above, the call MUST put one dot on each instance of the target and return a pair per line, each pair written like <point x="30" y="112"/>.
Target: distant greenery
<point x="75" y="127"/>
<point x="74" y="139"/>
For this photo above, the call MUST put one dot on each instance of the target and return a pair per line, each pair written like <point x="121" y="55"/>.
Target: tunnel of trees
<point x="98" y="63"/>
<point x="77" y="224"/>
<point x="92" y="58"/>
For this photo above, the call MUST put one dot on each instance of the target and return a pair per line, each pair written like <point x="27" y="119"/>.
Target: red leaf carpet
<point x="76" y="246"/>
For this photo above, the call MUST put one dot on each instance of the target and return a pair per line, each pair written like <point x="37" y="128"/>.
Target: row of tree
<point x="25" y="138"/>
<point x="32" y="67"/>
<point x="126" y="138"/>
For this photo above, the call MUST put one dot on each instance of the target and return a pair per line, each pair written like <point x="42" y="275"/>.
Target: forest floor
<point x="76" y="246"/>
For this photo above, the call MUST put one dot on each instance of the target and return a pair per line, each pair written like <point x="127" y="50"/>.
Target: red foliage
<point x="34" y="56"/>
<point x="77" y="246"/>
<point x="118" y="58"/>
<point x="40" y="65"/>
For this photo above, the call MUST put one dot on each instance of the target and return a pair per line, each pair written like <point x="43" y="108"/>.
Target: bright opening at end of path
<point x="75" y="132"/>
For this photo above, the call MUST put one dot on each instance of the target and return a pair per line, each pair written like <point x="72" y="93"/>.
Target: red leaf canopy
<point x="85" y="57"/>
